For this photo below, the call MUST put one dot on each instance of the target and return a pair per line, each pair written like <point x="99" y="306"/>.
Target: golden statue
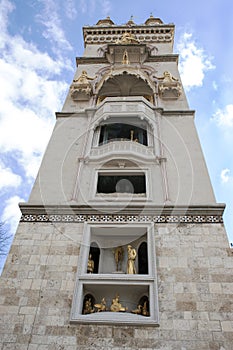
<point x="125" y="59"/>
<point x="137" y="311"/>
<point x="90" y="264"/>
<point x="101" y="306"/>
<point x="145" y="311"/>
<point x="116" y="305"/>
<point x="88" y="307"/>
<point x="132" y="136"/>
<point x="131" y="269"/>
<point x="128" y="38"/>
<point x="83" y="79"/>
<point x="119" y="255"/>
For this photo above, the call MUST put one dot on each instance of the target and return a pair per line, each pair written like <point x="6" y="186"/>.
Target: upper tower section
<point x="124" y="61"/>
<point x="157" y="36"/>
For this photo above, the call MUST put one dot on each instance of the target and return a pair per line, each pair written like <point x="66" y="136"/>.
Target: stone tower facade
<point x="121" y="244"/>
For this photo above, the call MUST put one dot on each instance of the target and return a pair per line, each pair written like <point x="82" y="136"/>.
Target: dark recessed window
<point x="122" y="132"/>
<point x="121" y="184"/>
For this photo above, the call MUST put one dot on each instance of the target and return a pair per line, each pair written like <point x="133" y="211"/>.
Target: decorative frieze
<point x="145" y="34"/>
<point x="197" y="219"/>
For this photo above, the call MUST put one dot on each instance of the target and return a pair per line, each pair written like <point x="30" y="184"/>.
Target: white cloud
<point x="225" y="177"/>
<point x="70" y="9"/>
<point x="224" y="118"/>
<point x="6" y="7"/>
<point x="90" y="7"/>
<point x="215" y="85"/>
<point x="83" y="5"/>
<point x="29" y="97"/>
<point x="31" y="91"/>
<point x="52" y="22"/>
<point x="11" y="213"/>
<point x="193" y="62"/>
<point x="8" y="178"/>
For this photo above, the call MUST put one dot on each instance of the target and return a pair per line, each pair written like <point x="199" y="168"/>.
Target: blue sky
<point x="39" y="40"/>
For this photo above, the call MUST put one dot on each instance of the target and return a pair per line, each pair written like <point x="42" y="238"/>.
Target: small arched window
<point x="95" y="254"/>
<point x="143" y="259"/>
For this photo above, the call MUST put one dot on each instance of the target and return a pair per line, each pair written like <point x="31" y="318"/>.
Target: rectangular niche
<point x="131" y="303"/>
<point x="134" y="289"/>
<point x="107" y="248"/>
<point x="121" y="184"/>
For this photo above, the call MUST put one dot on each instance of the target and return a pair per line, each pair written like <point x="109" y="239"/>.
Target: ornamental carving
<point x="169" y="86"/>
<point x="127" y="38"/>
<point x="81" y="88"/>
<point x="195" y="219"/>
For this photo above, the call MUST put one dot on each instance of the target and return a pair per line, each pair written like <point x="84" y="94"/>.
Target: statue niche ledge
<point x="81" y="89"/>
<point x="169" y="87"/>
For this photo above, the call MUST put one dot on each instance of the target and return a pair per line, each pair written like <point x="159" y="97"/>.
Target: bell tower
<point x="121" y="243"/>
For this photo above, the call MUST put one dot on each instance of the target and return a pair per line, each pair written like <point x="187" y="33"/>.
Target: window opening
<point x="121" y="184"/>
<point x="122" y="132"/>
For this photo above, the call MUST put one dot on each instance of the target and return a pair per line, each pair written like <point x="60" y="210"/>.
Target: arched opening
<point x="144" y="302"/>
<point x="143" y="259"/>
<point x="88" y="304"/>
<point x="95" y="255"/>
<point x="125" y="84"/>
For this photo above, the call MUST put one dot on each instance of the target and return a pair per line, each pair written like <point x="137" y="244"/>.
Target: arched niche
<point x="143" y="259"/>
<point x="125" y="84"/>
<point x="144" y="302"/>
<point x="88" y="304"/>
<point x="95" y="253"/>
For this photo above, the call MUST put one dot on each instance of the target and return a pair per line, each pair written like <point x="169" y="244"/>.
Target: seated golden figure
<point x="101" y="306"/>
<point x="116" y="305"/>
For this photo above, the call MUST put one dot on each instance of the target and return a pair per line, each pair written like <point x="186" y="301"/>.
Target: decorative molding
<point x="168" y="215"/>
<point x="103" y="60"/>
<point x="102" y="35"/>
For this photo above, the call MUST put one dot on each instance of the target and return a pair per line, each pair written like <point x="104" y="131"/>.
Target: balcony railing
<point x="122" y="146"/>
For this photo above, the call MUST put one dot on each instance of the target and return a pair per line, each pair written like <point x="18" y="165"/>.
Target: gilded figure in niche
<point x="88" y="307"/>
<point x="90" y="264"/>
<point x="137" y="311"/>
<point x="101" y="306"/>
<point x="125" y="59"/>
<point x="128" y="38"/>
<point x="131" y="269"/>
<point x="145" y="311"/>
<point x="116" y="305"/>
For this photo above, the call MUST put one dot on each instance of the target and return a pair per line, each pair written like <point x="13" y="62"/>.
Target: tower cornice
<point x="161" y="33"/>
